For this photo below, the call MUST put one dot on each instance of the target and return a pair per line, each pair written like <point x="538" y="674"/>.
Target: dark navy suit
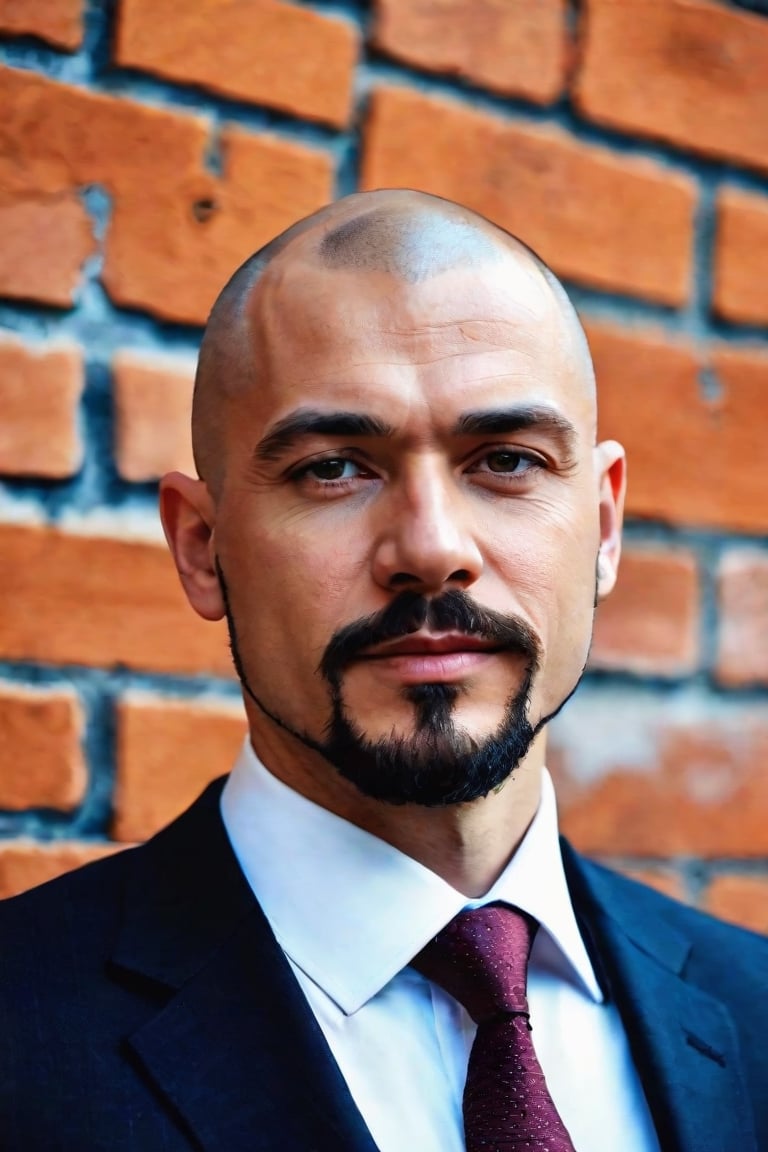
<point x="145" y="1006"/>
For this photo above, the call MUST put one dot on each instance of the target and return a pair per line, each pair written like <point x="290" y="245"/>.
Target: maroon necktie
<point x="481" y="959"/>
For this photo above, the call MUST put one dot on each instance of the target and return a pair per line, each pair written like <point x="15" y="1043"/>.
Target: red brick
<point x="742" y="652"/>
<point x="46" y="240"/>
<point x="587" y="211"/>
<point x="60" y="22"/>
<point x="40" y="390"/>
<point x="691" y="459"/>
<point x="70" y="599"/>
<point x="645" y="775"/>
<point x="649" y="623"/>
<point x="153" y="409"/>
<point x="688" y="72"/>
<point x="25" y="864"/>
<point x="176" y="231"/>
<point x="741" y="257"/>
<point x="741" y="899"/>
<point x="509" y="46"/>
<point x="40" y="731"/>
<point x="264" y="51"/>
<point x="167" y="751"/>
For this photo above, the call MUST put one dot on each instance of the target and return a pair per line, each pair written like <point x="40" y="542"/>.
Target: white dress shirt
<point x="350" y="912"/>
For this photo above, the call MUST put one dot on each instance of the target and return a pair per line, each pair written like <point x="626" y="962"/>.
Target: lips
<point x="420" y="644"/>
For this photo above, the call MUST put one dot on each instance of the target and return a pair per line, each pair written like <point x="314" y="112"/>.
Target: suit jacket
<point x="145" y="1006"/>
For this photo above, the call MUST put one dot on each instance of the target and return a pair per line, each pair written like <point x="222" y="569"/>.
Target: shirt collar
<point x="351" y="911"/>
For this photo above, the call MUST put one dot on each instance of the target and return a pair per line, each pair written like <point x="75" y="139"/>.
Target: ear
<point x="188" y="514"/>
<point x="611" y="466"/>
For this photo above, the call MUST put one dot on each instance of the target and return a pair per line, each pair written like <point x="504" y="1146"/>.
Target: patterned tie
<point x="481" y="959"/>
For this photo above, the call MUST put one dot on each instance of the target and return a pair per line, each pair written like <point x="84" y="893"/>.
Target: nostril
<point x="401" y="579"/>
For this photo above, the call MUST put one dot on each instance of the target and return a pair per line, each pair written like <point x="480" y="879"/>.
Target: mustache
<point x="453" y="611"/>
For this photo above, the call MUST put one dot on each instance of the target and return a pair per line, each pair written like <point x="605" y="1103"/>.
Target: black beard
<point x="440" y="764"/>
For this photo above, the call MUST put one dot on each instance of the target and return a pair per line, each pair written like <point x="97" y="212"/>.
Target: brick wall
<point x="147" y="146"/>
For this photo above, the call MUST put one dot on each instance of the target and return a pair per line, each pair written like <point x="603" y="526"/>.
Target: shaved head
<point x="410" y="236"/>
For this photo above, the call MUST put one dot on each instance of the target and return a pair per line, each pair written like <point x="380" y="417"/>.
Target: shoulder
<point x="82" y="905"/>
<point x="714" y="947"/>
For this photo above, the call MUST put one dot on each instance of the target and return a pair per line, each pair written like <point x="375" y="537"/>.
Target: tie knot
<point x="481" y="959"/>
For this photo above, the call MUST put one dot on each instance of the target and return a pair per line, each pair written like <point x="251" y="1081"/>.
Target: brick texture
<point x="651" y="776"/>
<point x="693" y="458"/>
<point x="649" y="623"/>
<point x="741" y="257"/>
<point x="59" y="22"/>
<point x="586" y="211"/>
<point x="264" y="51"/>
<point x="47" y="239"/>
<point x="176" y="231"/>
<point x="689" y="72"/>
<point x="167" y="751"/>
<point x="73" y="599"/>
<point x="40" y="391"/>
<point x="40" y="749"/>
<point x="740" y="899"/>
<point x="742" y="648"/>
<point x="26" y="863"/>
<point x="153" y="408"/>
<point x="508" y="46"/>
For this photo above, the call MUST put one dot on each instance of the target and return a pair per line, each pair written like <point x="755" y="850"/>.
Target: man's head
<point x="402" y="510"/>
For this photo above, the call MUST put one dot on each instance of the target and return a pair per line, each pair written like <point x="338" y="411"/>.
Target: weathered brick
<point x="264" y="51"/>
<point x="641" y="774"/>
<point x="47" y="239"/>
<point x="25" y="863"/>
<point x="74" y="599"/>
<point x="586" y="210"/>
<point x="176" y="231"/>
<point x="741" y="257"/>
<point x="167" y="751"/>
<point x="509" y="46"/>
<point x="153" y="408"/>
<point x="40" y="732"/>
<point x="742" y="638"/>
<point x="40" y="388"/>
<point x="695" y="452"/>
<point x="59" y="22"/>
<point x="649" y="623"/>
<point x="741" y="899"/>
<point x="689" y="72"/>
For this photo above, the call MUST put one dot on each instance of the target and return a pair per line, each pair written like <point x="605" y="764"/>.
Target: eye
<point x="505" y="461"/>
<point x="332" y="470"/>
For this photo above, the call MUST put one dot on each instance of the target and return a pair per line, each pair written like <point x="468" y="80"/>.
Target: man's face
<point x="413" y="455"/>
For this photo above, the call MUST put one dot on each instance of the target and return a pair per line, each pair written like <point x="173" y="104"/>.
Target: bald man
<point x="402" y="512"/>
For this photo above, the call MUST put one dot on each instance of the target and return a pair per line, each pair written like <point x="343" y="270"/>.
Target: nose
<point x="427" y="541"/>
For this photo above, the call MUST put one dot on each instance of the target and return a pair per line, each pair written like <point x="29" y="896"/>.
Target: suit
<point x="145" y="1005"/>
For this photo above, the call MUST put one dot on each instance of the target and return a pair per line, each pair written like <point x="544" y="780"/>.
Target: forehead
<point x="458" y="339"/>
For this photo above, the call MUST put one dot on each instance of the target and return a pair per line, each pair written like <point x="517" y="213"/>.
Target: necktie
<point x="481" y="959"/>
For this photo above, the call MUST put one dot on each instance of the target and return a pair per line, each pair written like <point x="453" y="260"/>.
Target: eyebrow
<point x="312" y="422"/>
<point x="519" y="418"/>
<point x="286" y="433"/>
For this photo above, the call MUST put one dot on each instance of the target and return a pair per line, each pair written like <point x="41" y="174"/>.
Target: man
<point x="402" y="513"/>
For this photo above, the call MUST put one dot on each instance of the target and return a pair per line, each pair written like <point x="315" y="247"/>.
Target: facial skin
<point x="407" y="438"/>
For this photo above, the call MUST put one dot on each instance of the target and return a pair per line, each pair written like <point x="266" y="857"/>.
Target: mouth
<point x="427" y="644"/>
<point x="424" y="658"/>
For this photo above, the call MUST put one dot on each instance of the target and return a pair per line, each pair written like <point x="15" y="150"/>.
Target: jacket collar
<point x="683" y="1039"/>
<point x="231" y="1003"/>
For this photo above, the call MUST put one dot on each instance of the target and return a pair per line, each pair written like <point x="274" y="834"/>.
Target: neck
<point x="467" y="845"/>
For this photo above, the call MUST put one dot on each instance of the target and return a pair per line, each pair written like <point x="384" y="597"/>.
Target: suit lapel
<point x="683" y="1039"/>
<point x="235" y="1048"/>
